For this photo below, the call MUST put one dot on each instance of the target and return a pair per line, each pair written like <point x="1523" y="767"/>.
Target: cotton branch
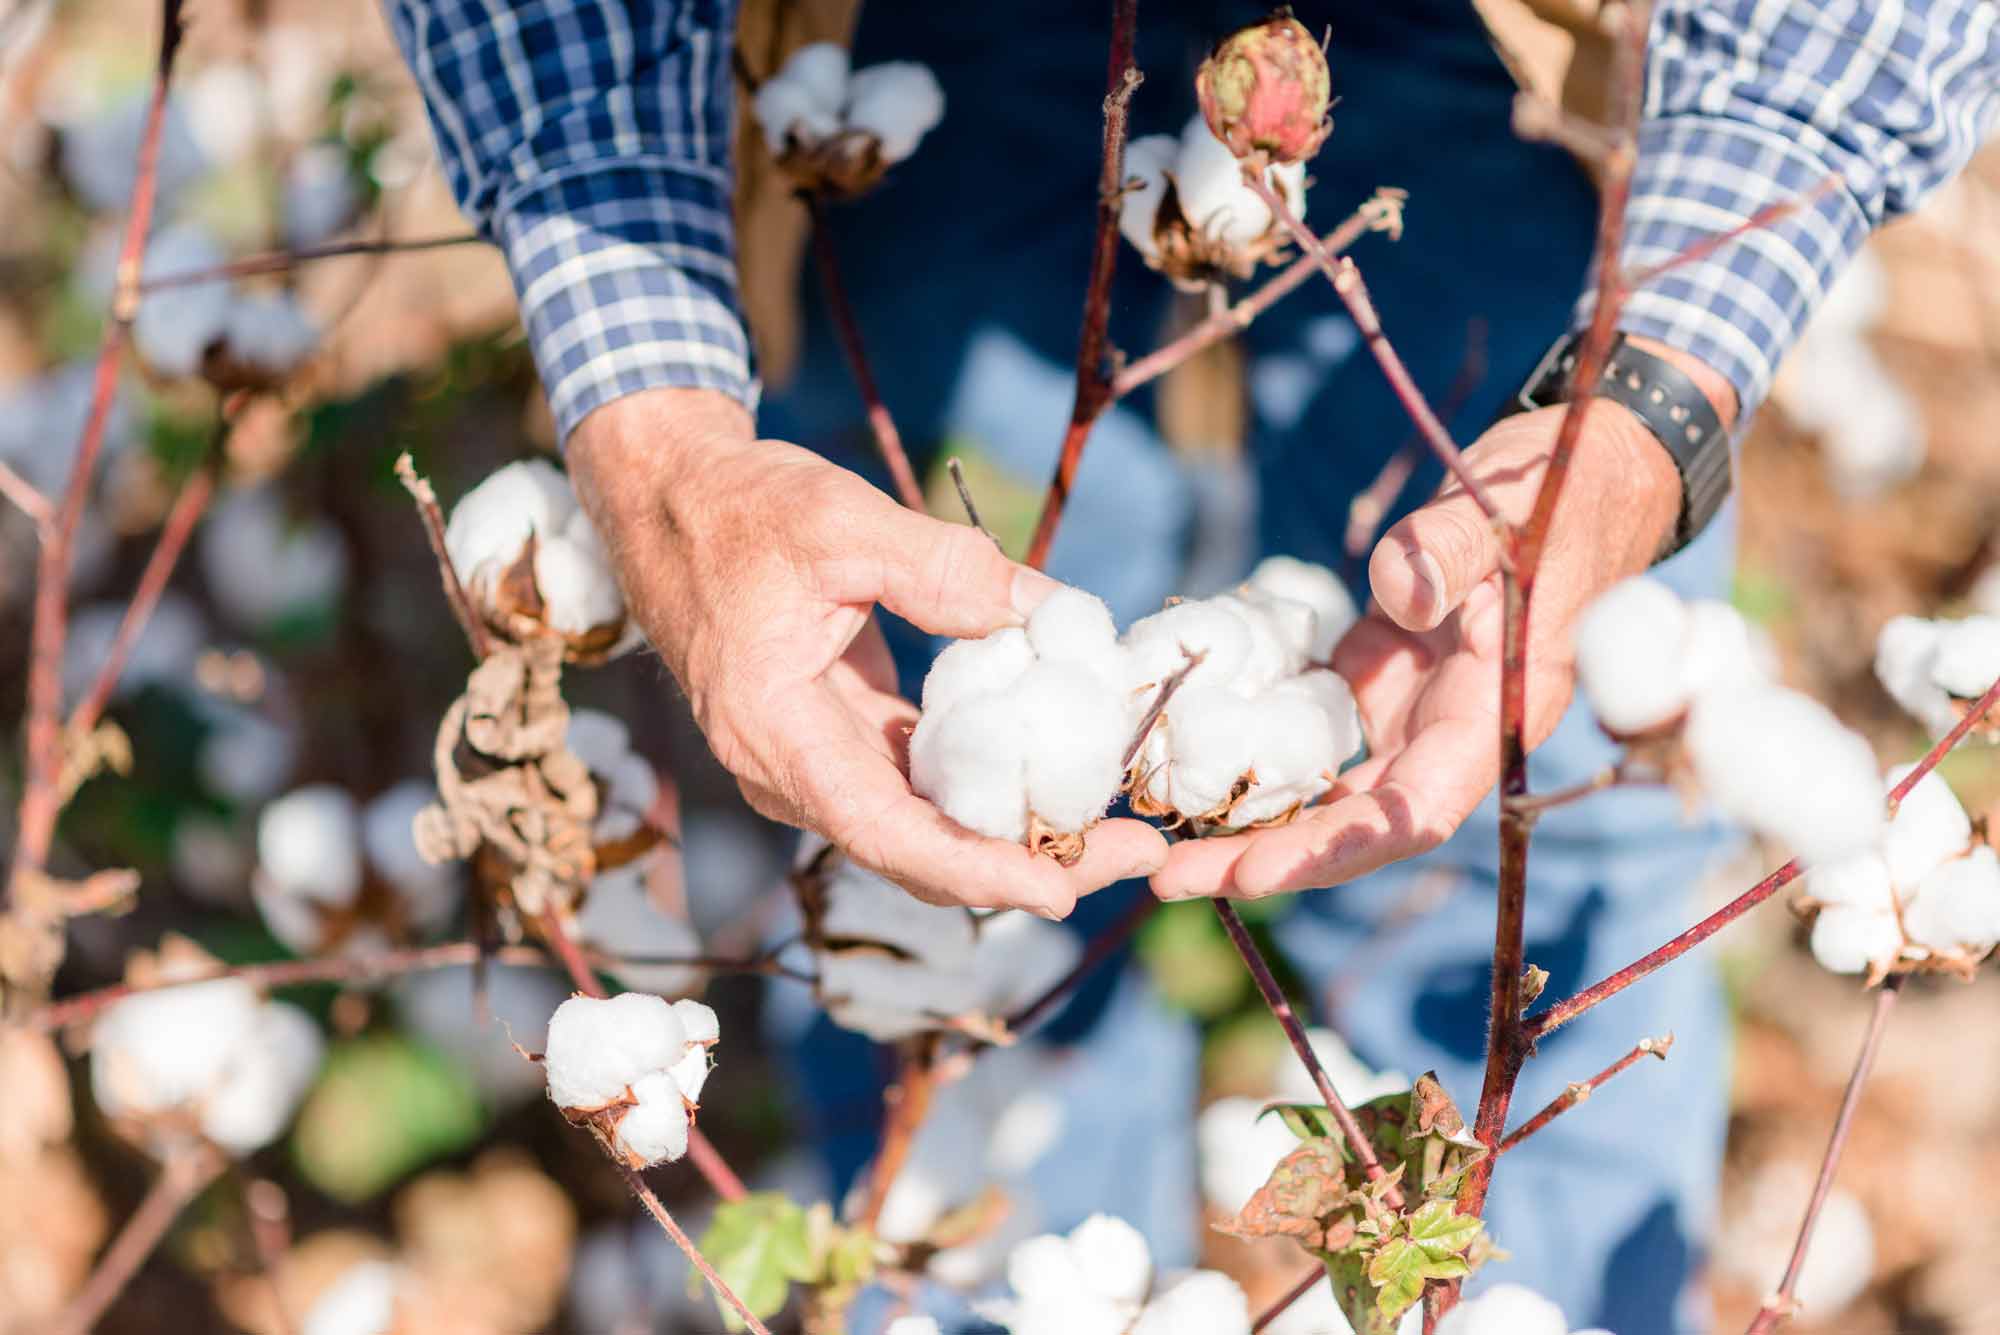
<point x="1093" y="390"/>
<point x="184" y="1176"/>
<point x="888" y="440"/>
<point x="25" y="498"/>
<point x="1288" y="1020"/>
<point x="1291" y="1295"/>
<point x="908" y="1101"/>
<point x="1583" y="1089"/>
<point x="1781" y="1304"/>
<point x="40" y="796"/>
<point x="433" y="519"/>
<point x="278" y="261"/>
<point x="681" y="1240"/>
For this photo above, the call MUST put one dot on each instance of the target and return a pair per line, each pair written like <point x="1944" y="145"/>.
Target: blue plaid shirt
<point x="591" y="139"/>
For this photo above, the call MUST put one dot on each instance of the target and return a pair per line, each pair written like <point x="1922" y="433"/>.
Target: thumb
<point x="1425" y="566"/>
<point x="942" y="578"/>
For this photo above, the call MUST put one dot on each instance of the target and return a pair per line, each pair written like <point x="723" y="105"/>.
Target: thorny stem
<point x="1093" y="390"/>
<point x="683" y="1241"/>
<point x="908" y="1101"/>
<point x="708" y="1161"/>
<point x="1780" y="1304"/>
<point x="40" y="798"/>
<point x="278" y="261"/>
<point x="432" y="515"/>
<point x="1381" y="213"/>
<point x="174" y="534"/>
<point x="1583" y="1089"/>
<point x="1558" y="1015"/>
<point x="182" y="1178"/>
<point x="887" y="439"/>
<point x="1292" y="1295"/>
<point x="1353" y="293"/>
<point x="1288" y="1020"/>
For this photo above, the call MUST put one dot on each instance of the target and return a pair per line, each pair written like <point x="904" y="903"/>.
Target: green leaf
<point x="1307" y="1121"/>
<point x="1397" y="1272"/>
<point x="383" y="1108"/>
<point x="759" y="1245"/>
<point x="1440" y="1231"/>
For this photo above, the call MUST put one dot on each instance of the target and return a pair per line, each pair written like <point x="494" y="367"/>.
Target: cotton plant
<point x="1937" y="669"/>
<point x="631" y="1067"/>
<point x="532" y="563"/>
<point x="210" y="1061"/>
<point x="335" y="876"/>
<point x="1755" y="1240"/>
<point x="1925" y="898"/>
<point x="1099" y="1279"/>
<point x="619" y="917"/>
<point x="892" y="967"/>
<point x="1508" y="1309"/>
<point x="1187" y="210"/>
<point x="835" y="130"/>
<point x="266" y="567"/>
<point x="1687" y="688"/>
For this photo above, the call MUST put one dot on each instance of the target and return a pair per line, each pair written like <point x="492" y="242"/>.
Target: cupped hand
<point x="754" y="567"/>
<point x="1424" y="661"/>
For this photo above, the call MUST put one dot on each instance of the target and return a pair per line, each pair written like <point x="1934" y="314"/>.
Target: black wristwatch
<point x="1671" y="405"/>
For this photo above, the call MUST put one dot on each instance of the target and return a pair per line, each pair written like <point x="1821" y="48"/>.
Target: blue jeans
<point x="968" y="269"/>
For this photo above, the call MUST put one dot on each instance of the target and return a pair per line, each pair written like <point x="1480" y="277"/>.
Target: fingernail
<point x="1031" y="589"/>
<point x="1429" y="589"/>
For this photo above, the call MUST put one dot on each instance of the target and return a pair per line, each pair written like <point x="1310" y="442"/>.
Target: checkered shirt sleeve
<point x="591" y="140"/>
<point x="1752" y="102"/>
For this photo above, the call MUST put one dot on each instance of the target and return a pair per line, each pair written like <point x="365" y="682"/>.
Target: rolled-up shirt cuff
<point x="1742" y="307"/>
<point x="627" y="281"/>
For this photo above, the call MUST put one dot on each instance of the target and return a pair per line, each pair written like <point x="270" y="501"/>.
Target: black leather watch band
<point x="1672" y="406"/>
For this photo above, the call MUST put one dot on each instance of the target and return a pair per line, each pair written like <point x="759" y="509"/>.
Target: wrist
<point x="636" y="455"/>
<point x="1715" y="386"/>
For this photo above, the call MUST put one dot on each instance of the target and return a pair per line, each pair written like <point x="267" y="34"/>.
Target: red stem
<point x="182" y="1178"/>
<point x="683" y="1241"/>
<point x="1779" y="1305"/>
<point x="1297" y="1291"/>
<point x="887" y="439"/>
<point x="26" y="498"/>
<point x="1093" y="390"/>
<point x="908" y="1101"/>
<point x="1288" y="1020"/>
<point x="1583" y="1089"/>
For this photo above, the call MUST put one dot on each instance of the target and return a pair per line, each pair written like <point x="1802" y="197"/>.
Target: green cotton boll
<point x="384" y="1107"/>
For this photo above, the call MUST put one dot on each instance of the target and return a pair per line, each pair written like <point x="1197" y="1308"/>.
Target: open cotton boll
<point x="576" y="592"/>
<point x="627" y="784"/>
<point x="430" y="892"/>
<point x="788" y="109"/>
<point x="1755" y="1240"/>
<point x="976" y="667"/>
<point x="164" y="1049"/>
<point x="1113" y="1258"/>
<point x="1780" y="763"/>
<point x="1505" y="1309"/>
<point x="1148" y="160"/>
<point x="887" y="998"/>
<point x="577" y="584"/>
<point x="1968" y="656"/>
<point x="860" y="906"/>
<point x="822" y="69"/>
<point x="898" y="102"/>
<point x="362" y="1301"/>
<point x="491" y="522"/>
<point x="265" y="567"/>
<point x="1629" y="647"/>
<point x="1072" y="626"/>
<point x="265" y="1081"/>
<point x="1200" y="1302"/>
<point x="1957" y="906"/>
<point x="1077" y="731"/>
<point x="1860" y="882"/>
<point x="244" y="756"/>
<point x="618" y="917"/>
<point x="655" y="1128"/>
<point x="599" y="1047"/>
<point x="175" y="326"/>
<point x="1929" y="826"/>
<point x="1316" y="587"/>
<point x="1855" y="938"/>
<point x="1906" y="652"/>
<point x="319" y="197"/>
<point x="1721" y="649"/>
<point x="1209" y="181"/>
<point x="1017" y="958"/>
<point x="309" y="844"/>
<point x="1157" y="646"/>
<point x="270" y="331"/>
<point x="971" y="762"/>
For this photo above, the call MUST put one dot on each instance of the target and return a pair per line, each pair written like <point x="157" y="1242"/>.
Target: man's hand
<point x="1425" y="661"/>
<point x="754" y="568"/>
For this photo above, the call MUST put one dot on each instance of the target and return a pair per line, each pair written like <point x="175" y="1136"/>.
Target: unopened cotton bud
<point x="1113" y="1258"/>
<point x="1780" y="763"/>
<point x="898" y="102"/>
<point x="309" y="844"/>
<point x="1203" y="1302"/>
<point x="1929" y="826"/>
<point x="1266" y="88"/>
<point x="1957" y="907"/>
<point x="1849" y="939"/>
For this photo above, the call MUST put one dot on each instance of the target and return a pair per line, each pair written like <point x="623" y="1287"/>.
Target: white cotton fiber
<point x="1780" y="763"/>
<point x="1852" y="939"/>
<point x="491" y="525"/>
<point x="362" y="1301"/>
<point x="1957" y="906"/>
<point x="1147" y="162"/>
<point x="263" y="565"/>
<point x="821" y="69"/>
<point x="1315" y="587"/>
<point x="309" y="844"/>
<point x="598" y="1047"/>
<point x="898" y="102"/>
<point x="1859" y="882"/>
<point x="1968" y="656"/>
<point x="1201" y="1302"/>
<point x="656" y="1128"/>
<point x="166" y="1048"/>
<point x="1929" y="826"/>
<point x="265" y="1081"/>
<point x="1505" y="1309"/>
<point x="1113" y="1258"/>
<point x="1906" y="653"/>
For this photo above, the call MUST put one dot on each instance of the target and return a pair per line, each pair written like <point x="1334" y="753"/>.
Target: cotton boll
<point x="1720" y="649"/>
<point x="1929" y="826"/>
<point x="244" y="756"/>
<point x="1629" y="646"/>
<point x="898" y="102"/>
<point x="430" y="892"/>
<point x="821" y="68"/>
<point x="655" y="1129"/>
<point x="1755" y="1240"/>
<point x="1276" y="647"/>
<point x="1334" y="698"/>
<point x="577" y="585"/>
<point x="263" y="566"/>
<point x="320" y="197"/>
<point x="361" y="1302"/>
<point x="976" y="667"/>
<point x="1854" y="940"/>
<point x="786" y="108"/>
<point x="1968" y="656"/>
<point x="1204" y="1302"/>
<point x="1077" y="735"/>
<point x="1072" y="626"/>
<point x="99" y="157"/>
<point x="971" y="762"/>
<point x="598" y="1047"/>
<point x="913" y="1325"/>
<point x="1782" y="764"/>
<point x="271" y="332"/>
<point x="1505" y="1309"/>
<point x="887" y="998"/>
<point x="487" y="535"/>
<point x="1157" y="646"/>
<point x="1148" y="160"/>
<point x="1046" y="1267"/>
<point x="164" y="1049"/>
<point x="265" y="1081"/>
<point x="1861" y="882"/>
<point x="175" y="326"/>
<point x="861" y="906"/>
<point x="1113" y="1258"/>
<point x="1906" y="652"/>
<point x="227" y="111"/>
<point x="1238" y="1149"/>
<point x="1210" y="732"/>
<point x="491" y="522"/>
<point x="618" y="917"/>
<point x="309" y="844"/>
<point x="1957" y="907"/>
<point x="1078" y="1315"/>
<point x="1019" y="957"/>
<point x="1212" y="195"/>
<point x="1318" y="588"/>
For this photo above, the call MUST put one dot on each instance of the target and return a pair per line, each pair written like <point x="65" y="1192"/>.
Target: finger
<point x="1200" y="868"/>
<point x="947" y="579"/>
<point x="1425" y="794"/>
<point x="1426" y="565"/>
